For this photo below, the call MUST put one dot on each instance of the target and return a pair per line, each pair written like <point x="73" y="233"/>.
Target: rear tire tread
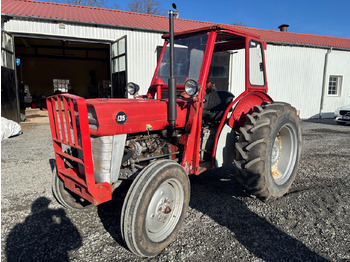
<point x="252" y="147"/>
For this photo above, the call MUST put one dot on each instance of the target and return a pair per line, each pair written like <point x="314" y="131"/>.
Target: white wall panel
<point x="294" y="74"/>
<point x="338" y="65"/>
<point x="142" y="58"/>
<point x="141" y="46"/>
<point x="237" y="72"/>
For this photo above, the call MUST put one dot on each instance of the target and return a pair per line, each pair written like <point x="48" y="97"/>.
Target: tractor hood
<point x="125" y="116"/>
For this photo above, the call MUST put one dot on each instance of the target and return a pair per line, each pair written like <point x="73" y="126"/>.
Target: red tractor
<point x="177" y="129"/>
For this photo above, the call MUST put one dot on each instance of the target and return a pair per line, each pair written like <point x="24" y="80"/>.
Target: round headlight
<point x="132" y="88"/>
<point x="191" y="87"/>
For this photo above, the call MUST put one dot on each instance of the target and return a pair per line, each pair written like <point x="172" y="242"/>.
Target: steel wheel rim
<point x="284" y="154"/>
<point x="164" y="210"/>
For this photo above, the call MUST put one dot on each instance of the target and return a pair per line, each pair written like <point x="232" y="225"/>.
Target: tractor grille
<point x="64" y="120"/>
<point x="69" y="124"/>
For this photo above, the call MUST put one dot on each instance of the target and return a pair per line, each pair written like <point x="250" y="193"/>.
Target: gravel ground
<point x="311" y="223"/>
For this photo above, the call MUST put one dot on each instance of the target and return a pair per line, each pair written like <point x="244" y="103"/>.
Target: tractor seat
<point x="215" y="104"/>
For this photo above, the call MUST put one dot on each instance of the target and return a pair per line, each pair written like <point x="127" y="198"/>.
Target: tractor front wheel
<point x="268" y="150"/>
<point x="65" y="197"/>
<point x="155" y="207"/>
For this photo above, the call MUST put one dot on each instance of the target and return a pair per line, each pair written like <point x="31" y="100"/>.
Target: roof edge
<point x="307" y="45"/>
<point x="78" y="22"/>
<point x="214" y="27"/>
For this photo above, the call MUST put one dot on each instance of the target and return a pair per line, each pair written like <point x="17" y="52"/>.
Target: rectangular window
<point x="119" y="55"/>
<point x="334" y="86"/>
<point x="61" y="85"/>
<point x="256" y="64"/>
<point x="7" y="52"/>
<point x="188" y="58"/>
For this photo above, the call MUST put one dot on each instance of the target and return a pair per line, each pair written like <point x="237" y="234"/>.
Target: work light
<point x="191" y="87"/>
<point x="132" y="88"/>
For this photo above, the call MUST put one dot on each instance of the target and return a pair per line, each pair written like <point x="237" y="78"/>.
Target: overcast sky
<point x="322" y="17"/>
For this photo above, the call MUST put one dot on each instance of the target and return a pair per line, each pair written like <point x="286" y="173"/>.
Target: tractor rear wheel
<point x="268" y="150"/>
<point x="65" y="197"/>
<point x="155" y="207"/>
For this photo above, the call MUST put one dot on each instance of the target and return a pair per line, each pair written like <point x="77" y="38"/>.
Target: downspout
<point x="324" y="81"/>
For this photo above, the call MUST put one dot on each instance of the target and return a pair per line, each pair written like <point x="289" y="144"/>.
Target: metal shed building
<point x="70" y="48"/>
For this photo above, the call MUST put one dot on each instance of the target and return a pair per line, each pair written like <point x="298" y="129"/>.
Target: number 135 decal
<point x="121" y="118"/>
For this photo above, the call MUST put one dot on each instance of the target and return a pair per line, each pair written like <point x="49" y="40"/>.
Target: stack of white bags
<point x="9" y="128"/>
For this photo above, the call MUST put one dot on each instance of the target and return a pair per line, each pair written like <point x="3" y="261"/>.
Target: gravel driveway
<point x="311" y="223"/>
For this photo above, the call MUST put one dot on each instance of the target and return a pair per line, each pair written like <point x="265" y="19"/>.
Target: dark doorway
<point x="63" y="65"/>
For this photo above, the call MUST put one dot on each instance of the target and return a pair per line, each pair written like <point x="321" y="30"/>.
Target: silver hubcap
<point x="276" y="150"/>
<point x="164" y="210"/>
<point x="284" y="154"/>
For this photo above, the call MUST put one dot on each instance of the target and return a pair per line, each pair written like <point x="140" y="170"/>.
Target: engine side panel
<point x="125" y="116"/>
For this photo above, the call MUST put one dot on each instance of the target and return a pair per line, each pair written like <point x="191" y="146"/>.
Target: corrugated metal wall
<point x="294" y="74"/>
<point x="141" y="46"/>
<point x="142" y="58"/>
<point x="237" y="72"/>
<point x="338" y="65"/>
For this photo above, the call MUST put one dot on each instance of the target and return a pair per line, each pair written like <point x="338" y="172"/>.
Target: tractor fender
<point x="233" y="119"/>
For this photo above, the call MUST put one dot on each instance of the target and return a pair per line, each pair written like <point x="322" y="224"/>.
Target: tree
<point x="146" y="7"/>
<point x="238" y="24"/>
<point x="95" y="3"/>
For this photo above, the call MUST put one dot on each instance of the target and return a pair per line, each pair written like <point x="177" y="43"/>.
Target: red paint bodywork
<point x="149" y="109"/>
<point x="66" y="130"/>
<point x="140" y="112"/>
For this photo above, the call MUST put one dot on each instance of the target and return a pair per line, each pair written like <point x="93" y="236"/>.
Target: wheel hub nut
<point x="167" y="210"/>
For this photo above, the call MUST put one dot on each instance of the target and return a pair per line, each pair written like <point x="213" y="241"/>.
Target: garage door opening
<point x="48" y="66"/>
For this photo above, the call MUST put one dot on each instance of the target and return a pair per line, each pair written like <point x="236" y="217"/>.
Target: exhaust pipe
<point x="172" y="81"/>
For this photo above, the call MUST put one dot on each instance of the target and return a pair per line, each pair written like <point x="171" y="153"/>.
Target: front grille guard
<point x="70" y="129"/>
